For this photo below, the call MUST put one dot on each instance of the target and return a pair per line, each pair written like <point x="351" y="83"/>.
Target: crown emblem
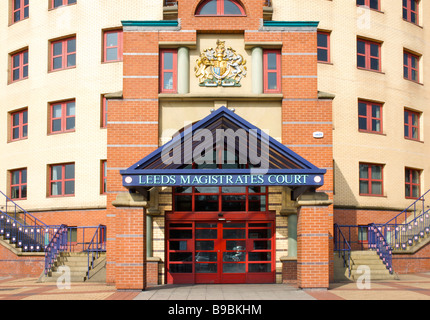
<point x="220" y="67"/>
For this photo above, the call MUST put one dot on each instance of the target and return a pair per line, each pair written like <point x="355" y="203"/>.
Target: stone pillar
<point x="292" y="235"/>
<point x="183" y="70"/>
<point x="257" y="70"/>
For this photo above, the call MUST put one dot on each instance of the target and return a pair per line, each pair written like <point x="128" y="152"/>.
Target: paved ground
<point x="409" y="287"/>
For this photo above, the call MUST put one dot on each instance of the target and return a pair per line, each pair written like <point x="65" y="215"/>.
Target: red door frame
<point x="219" y="248"/>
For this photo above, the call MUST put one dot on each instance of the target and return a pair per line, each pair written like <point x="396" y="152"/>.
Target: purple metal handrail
<point x="57" y="245"/>
<point x="401" y="234"/>
<point x="169" y="3"/>
<point x="96" y="246"/>
<point x="342" y="246"/>
<point x="28" y="218"/>
<point x="378" y="242"/>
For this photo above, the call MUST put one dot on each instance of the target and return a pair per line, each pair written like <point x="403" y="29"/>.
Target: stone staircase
<point x="378" y="270"/>
<point x="77" y="264"/>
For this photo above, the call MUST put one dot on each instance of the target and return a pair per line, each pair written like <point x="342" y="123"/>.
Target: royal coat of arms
<point x="220" y="67"/>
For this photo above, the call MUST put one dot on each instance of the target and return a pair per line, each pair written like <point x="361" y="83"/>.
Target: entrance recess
<point x="220" y="252"/>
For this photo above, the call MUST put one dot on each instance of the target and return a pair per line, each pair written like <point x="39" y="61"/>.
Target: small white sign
<point x="318" y="135"/>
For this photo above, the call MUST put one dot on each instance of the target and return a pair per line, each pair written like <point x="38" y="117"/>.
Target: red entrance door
<point x="221" y="252"/>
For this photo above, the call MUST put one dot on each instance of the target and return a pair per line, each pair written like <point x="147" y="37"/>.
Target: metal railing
<point x="342" y="246"/>
<point x="378" y="242"/>
<point x="12" y="209"/>
<point x="96" y="246"/>
<point x="57" y="245"/>
<point x="169" y="3"/>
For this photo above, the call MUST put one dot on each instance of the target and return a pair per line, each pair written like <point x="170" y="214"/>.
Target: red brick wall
<point x="13" y="265"/>
<point x="412" y="263"/>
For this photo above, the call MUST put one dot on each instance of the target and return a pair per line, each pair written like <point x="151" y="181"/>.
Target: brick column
<point x="313" y="252"/>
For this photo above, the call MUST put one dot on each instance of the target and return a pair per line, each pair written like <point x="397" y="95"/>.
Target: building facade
<point x="93" y="94"/>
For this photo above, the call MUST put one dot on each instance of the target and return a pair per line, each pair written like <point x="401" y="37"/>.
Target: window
<point x="323" y="46"/>
<point x="59" y="3"/>
<point x="410" y="66"/>
<point x="412" y="183"/>
<point x="112" y="46"/>
<point x="62" y="180"/>
<point x="63" y="54"/>
<point x="19" y="66"/>
<point x="412" y="125"/>
<point x="371" y="4"/>
<point x="62" y="117"/>
<point x="368" y="55"/>
<point x="216" y="199"/>
<point x="220" y="8"/>
<point x="410" y="10"/>
<point x="104" y="177"/>
<point x="369" y="117"/>
<point x="168" y="71"/>
<point x="371" y="180"/>
<point x="19" y="125"/>
<point x="272" y="71"/>
<point x="18" y="184"/>
<point x="20" y="10"/>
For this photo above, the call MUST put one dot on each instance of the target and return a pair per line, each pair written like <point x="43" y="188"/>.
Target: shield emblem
<point x="220" y="69"/>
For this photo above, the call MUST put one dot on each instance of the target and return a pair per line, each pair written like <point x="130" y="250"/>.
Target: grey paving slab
<point x="224" y="292"/>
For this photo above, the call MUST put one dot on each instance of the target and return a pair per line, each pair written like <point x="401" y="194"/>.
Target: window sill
<point x="324" y="62"/>
<point x="416" y="82"/>
<point x="60" y="132"/>
<point x="371" y="132"/>
<point x="220" y="96"/>
<point x="373" y="195"/>
<point x="18" y="80"/>
<point x="16" y="140"/>
<point x="414" y="140"/>
<point x="57" y="70"/>
<point x="413" y="23"/>
<point x="375" y="71"/>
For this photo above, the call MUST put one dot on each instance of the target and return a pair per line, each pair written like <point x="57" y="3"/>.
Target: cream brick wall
<point x="342" y="78"/>
<point x="86" y="83"/>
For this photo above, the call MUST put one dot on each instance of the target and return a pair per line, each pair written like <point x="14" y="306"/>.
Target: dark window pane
<point x="180" y="234"/>
<point x="272" y="81"/>
<point x="233" y="256"/>
<point x="272" y="61"/>
<point x="234" y="234"/>
<point x="181" y="256"/>
<point x="206" y="257"/>
<point x="71" y="45"/>
<point x="206" y="267"/>
<point x="178" y="245"/>
<point x="262" y="245"/>
<point x="259" y="267"/>
<point x="111" y="54"/>
<point x="259" y="256"/>
<point x="239" y="245"/>
<point x="206" y="203"/>
<point x="361" y="61"/>
<point x="206" y="234"/>
<point x="322" y="55"/>
<point x="58" y="63"/>
<point x="71" y="60"/>
<point x="56" y="125"/>
<point x="259" y="234"/>
<point x="231" y="8"/>
<point x="209" y="8"/>
<point x="203" y="245"/>
<point x="233" y="267"/>
<point x="70" y="187"/>
<point x="180" y="268"/>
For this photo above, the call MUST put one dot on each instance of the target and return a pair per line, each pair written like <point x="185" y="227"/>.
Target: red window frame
<point x="370" y="179"/>
<point x="219" y="194"/>
<point x="368" y="55"/>
<point x="22" y="12"/>
<point x="64" y="54"/>
<point x="63" y="118"/>
<point x="173" y="70"/>
<point x="267" y="71"/>
<point x="220" y="8"/>
<point x="410" y="183"/>
<point x="104" y="177"/>
<point x="369" y="117"/>
<point x="19" y="66"/>
<point x="324" y="48"/>
<point x="409" y="13"/>
<point x="366" y="3"/>
<point x="408" y="69"/>
<point x="118" y="47"/>
<point x="63" y="3"/>
<point x="409" y="125"/>
<point x="63" y="180"/>
<point x="22" y="127"/>
<point x="20" y="185"/>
